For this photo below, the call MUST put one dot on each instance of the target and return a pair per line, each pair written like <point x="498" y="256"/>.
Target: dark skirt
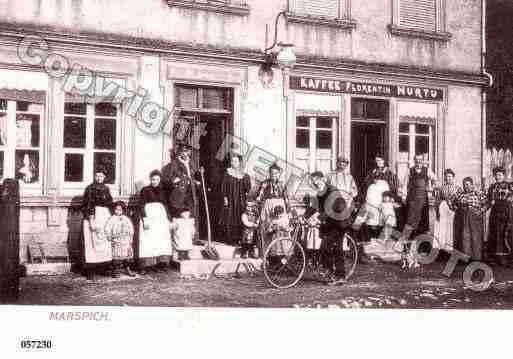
<point x="500" y="230"/>
<point x="235" y="190"/>
<point x="418" y="213"/>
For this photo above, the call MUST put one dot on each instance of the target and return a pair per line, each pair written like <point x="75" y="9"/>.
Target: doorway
<point x="210" y="129"/>
<point x="369" y="135"/>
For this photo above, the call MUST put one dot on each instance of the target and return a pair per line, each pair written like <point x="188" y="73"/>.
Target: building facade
<point x="397" y="77"/>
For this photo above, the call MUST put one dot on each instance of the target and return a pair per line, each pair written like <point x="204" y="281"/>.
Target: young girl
<point x="120" y="232"/>
<point x="250" y="223"/>
<point x="311" y="238"/>
<point x="182" y="233"/>
<point x="279" y="228"/>
<point x="388" y="220"/>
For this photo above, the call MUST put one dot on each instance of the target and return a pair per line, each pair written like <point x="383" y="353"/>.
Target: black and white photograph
<point x="327" y="156"/>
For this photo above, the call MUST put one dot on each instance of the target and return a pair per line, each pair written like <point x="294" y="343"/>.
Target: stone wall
<point x="369" y="42"/>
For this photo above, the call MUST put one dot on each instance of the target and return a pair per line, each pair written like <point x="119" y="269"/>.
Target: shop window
<point x="315" y="142"/>
<point x="90" y="138"/>
<point x="422" y="18"/>
<point x="20" y="140"/>
<point x="417" y="139"/>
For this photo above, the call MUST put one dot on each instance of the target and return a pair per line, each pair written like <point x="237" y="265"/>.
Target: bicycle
<point x="284" y="260"/>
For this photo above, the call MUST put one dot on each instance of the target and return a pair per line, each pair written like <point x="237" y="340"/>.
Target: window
<point x="417" y="139"/>
<point x="20" y="140"/>
<point x="211" y="99"/>
<point x="321" y="12"/>
<point x="315" y="142"/>
<point x="90" y="140"/>
<point x="421" y="18"/>
<point x="233" y="7"/>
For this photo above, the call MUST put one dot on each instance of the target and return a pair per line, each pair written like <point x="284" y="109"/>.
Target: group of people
<point x="166" y="214"/>
<point x="165" y="217"/>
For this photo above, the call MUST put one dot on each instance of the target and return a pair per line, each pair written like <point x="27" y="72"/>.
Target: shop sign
<point x="364" y="88"/>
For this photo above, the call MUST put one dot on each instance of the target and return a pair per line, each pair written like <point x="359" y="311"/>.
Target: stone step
<point x="47" y="268"/>
<point x="386" y="251"/>
<point x="225" y="251"/>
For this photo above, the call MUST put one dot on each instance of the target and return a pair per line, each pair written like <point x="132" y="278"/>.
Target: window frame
<point x="412" y="136"/>
<point x="10" y="148"/>
<point x="312" y="136"/>
<point x="439" y="34"/>
<point x="88" y="152"/>
<point x="240" y="8"/>
<point x="342" y="20"/>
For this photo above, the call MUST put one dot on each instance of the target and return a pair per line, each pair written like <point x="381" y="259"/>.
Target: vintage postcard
<point x="163" y="155"/>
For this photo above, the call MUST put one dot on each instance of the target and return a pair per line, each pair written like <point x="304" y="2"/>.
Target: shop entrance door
<point x="206" y="135"/>
<point x="366" y="141"/>
<point x="368" y="135"/>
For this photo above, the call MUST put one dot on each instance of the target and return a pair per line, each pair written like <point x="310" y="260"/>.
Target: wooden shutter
<point x="323" y="8"/>
<point x="418" y="14"/>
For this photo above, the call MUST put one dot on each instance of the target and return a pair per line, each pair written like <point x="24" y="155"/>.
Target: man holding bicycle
<point x="335" y="216"/>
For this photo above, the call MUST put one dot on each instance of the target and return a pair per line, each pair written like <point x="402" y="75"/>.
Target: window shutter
<point x="418" y="14"/>
<point x="323" y="8"/>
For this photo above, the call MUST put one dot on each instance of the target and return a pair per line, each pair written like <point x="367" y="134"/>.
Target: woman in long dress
<point x="96" y="205"/>
<point x="272" y="193"/>
<point x="155" y="247"/>
<point x="469" y="226"/>
<point x="500" y="195"/>
<point x="234" y="189"/>
<point x="446" y="196"/>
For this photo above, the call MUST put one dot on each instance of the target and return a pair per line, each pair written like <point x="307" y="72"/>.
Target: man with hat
<point x="335" y="217"/>
<point x="180" y="184"/>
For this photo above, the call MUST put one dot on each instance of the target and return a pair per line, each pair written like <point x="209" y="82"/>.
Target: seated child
<point x="120" y="231"/>
<point x="370" y="213"/>
<point x="311" y="238"/>
<point x="182" y="233"/>
<point x="279" y="228"/>
<point x="388" y="220"/>
<point x="250" y="223"/>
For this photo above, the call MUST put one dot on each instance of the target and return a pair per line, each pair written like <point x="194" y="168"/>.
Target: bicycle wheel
<point x="350" y="250"/>
<point x="284" y="263"/>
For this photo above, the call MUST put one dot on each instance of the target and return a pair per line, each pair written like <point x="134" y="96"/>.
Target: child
<point x="182" y="233"/>
<point x="279" y="228"/>
<point x="311" y="238"/>
<point x="388" y="220"/>
<point x="250" y="222"/>
<point x="120" y="231"/>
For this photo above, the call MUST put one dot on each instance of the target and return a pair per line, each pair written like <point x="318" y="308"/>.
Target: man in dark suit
<point x="335" y="217"/>
<point x="179" y="181"/>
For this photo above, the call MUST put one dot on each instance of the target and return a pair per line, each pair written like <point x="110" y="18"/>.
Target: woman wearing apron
<point x="96" y="204"/>
<point x="500" y="196"/>
<point x="155" y="248"/>
<point x="272" y="193"/>
<point x="446" y="196"/>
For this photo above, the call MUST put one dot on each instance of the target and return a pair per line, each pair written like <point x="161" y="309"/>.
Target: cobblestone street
<point x="376" y="285"/>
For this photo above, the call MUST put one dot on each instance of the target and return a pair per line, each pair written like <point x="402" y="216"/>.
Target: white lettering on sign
<point x="331" y="85"/>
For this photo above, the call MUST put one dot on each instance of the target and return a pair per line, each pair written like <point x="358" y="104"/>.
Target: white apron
<point x="96" y="246"/>
<point x="156" y="240"/>
<point x="183" y="233"/>
<point x="444" y="228"/>
<point x="373" y="202"/>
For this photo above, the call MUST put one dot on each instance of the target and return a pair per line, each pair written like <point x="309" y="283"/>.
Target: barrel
<point x="9" y="241"/>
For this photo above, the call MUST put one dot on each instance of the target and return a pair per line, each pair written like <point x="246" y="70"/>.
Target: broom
<point x="210" y="252"/>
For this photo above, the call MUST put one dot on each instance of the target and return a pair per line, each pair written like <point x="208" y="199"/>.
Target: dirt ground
<point x="374" y="285"/>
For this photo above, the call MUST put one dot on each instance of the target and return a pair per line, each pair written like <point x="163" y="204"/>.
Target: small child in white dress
<point x="388" y="220"/>
<point x="182" y="233"/>
<point x="119" y="230"/>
